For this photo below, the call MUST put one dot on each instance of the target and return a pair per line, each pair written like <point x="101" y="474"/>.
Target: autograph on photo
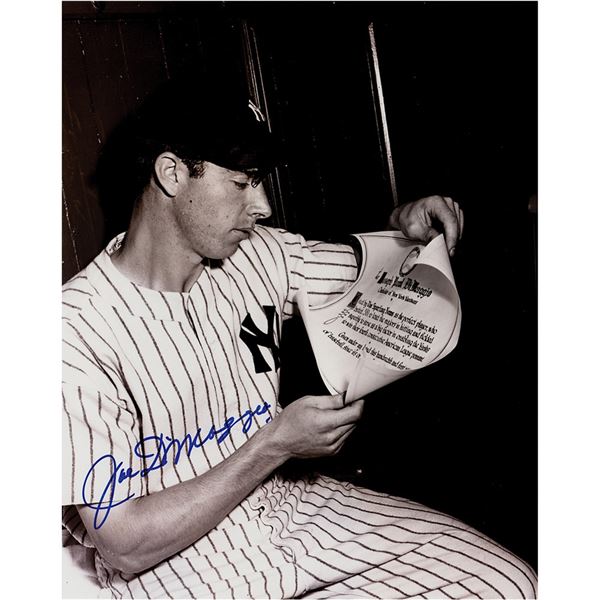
<point x="164" y="444"/>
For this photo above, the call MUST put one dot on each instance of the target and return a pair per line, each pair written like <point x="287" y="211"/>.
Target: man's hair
<point x="208" y="122"/>
<point x="195" y="167"/>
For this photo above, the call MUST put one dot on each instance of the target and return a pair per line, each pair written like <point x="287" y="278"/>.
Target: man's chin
<point x="225" y="252"/>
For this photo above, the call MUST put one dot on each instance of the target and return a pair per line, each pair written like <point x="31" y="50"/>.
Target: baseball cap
<point x="209" y="121"/>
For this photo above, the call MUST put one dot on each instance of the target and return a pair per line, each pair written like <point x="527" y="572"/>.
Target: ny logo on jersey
<point x="254" y="337"/>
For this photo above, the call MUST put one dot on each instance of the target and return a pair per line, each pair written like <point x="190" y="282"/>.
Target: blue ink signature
<point x="164" y="443"/>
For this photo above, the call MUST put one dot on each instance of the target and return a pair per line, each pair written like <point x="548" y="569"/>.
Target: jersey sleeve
<point x="100" y="425"/>
<point x="324" y="270"/>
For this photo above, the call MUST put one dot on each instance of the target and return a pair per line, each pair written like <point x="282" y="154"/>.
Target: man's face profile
<point x="217" y="211"/>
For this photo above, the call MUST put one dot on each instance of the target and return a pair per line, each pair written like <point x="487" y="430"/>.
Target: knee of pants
<point x="497" y="571"/>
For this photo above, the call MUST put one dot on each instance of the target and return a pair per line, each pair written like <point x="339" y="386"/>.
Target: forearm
<point x="156" y="526"/>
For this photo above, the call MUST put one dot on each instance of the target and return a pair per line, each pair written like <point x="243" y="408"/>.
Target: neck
<point x="152" y="254"/>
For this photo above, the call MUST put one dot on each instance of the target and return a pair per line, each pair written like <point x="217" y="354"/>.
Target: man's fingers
<point x="444" y="212"/>
<point x="335" y="402"/>
<point x="421" y="220"/>
<point x="332" y="402"/>
<point x="458" y="212"/>
<point x="461" y="220"/>
<point x="431" y="234"/>
<point x="332" y="417"/>
<point x="351" y="413"/>
<point x="342" y="431"/>
<point x="342" y="439"/>
<point x="450" y="204"/>
<point x="394" y="220"/>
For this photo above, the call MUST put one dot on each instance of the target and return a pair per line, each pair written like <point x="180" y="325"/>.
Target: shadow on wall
<point x="116" y="177"/>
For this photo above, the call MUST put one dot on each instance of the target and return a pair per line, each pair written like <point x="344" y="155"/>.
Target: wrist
<point x="269" y="444"/>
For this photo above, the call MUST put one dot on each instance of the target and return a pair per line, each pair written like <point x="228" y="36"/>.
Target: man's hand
<point x="315" y="426"/>
<point x="424" y="219"/>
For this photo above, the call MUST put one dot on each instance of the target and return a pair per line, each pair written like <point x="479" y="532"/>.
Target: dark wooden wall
<point x="460" y="89"/>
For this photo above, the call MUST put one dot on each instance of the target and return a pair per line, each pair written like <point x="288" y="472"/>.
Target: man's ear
<point x="169" y="173"/>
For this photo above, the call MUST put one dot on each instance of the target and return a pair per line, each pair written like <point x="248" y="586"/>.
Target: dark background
<point x="460" y="89"/>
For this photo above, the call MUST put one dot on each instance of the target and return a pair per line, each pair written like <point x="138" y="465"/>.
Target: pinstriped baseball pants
<point x="326" y="539"/>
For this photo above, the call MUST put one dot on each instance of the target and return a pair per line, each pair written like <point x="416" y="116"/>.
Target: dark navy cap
<point x="211" y="122"/>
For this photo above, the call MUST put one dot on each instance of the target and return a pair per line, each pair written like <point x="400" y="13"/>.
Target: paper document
<point x="401" y="314"/>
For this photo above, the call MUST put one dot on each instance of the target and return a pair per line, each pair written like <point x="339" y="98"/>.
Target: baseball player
<point x="173" y="434"/>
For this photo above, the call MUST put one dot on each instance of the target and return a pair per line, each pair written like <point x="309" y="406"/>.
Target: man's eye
<point x="240" y="186"/>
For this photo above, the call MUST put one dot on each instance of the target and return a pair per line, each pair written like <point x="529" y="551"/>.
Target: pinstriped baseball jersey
<point x="189" y="378"/>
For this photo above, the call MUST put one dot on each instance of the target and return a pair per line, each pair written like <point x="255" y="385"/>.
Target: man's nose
<point x="259" y="206"/>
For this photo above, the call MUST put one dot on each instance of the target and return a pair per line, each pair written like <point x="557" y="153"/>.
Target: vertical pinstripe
<point x="139" y="363"/>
